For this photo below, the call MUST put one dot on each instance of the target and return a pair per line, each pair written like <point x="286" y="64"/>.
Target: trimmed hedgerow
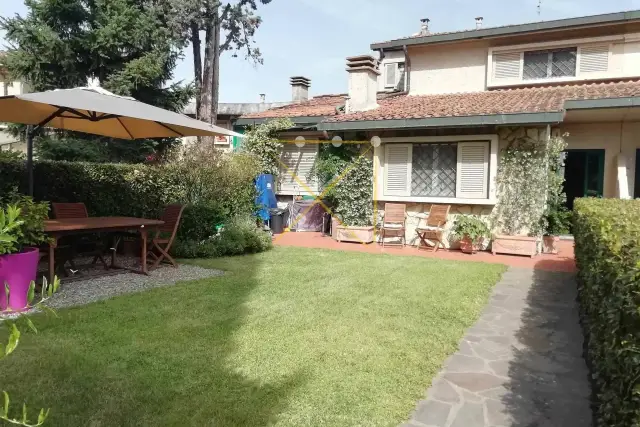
<point x="607" y="244"/>
<point x="214" y="193"/>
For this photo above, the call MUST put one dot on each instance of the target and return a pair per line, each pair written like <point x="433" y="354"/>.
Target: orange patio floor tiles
<point x="563" y="261"/>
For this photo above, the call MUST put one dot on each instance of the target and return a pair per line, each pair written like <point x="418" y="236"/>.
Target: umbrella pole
<point x="30" y="160"/>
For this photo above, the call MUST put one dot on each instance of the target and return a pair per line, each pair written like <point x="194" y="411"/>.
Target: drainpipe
<point x="407" y="69"/>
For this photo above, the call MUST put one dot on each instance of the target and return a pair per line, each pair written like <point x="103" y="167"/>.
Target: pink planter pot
<point x="18" y="270"/>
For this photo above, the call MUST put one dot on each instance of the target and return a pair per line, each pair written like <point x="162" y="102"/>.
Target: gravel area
<point x="82" y="291"/>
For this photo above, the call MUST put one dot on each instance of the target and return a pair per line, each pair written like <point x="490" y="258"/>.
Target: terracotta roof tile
<point x="321" y="106"/>
<point x="505" y="101"/>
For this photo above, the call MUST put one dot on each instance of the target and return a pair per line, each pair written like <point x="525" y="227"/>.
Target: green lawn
<point x="292" y="337"/>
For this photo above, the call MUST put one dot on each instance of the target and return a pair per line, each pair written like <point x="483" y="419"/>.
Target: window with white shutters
<point x="456" y="170"/>
<point x="563" y="63"/>
<point x="390" y="75"/>
<point x="397" y="171"/>
<point x="594" y="59"/>
<point x="296" y="166"/>
<point x="473" y="170"/>
<point x="506" y="66"/>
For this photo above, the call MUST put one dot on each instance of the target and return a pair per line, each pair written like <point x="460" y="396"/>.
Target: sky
<point x="312" y="38"/>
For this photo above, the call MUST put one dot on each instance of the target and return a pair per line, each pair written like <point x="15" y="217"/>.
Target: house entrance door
<point x="583" y="174"/>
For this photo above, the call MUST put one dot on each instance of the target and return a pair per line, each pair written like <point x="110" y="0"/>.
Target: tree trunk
<point x="197" y="65"/>
<point x="215" y="75"/>
<point x="207" y="75"/>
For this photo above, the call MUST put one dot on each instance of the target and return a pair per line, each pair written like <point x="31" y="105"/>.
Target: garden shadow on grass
<point x="164" y="357"/>
<point x="548" y="378"/>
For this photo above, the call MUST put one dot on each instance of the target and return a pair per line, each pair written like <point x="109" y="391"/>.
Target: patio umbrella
<point x="97" y="111"/>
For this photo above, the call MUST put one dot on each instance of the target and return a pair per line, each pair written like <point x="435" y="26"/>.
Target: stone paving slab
<point x="521" y="363"/>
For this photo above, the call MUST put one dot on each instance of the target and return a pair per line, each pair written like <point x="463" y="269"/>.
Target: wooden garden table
<point x="57" y="228"/>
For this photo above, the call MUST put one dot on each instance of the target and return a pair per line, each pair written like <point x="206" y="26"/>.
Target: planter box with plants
<point x="514" y="245"/>
<point x="345" y="233"/>
<point x="530" y="188"/>
<point x="348" y="177"/>
<point x="471" y="232"/>
<point x="21" y="232"/>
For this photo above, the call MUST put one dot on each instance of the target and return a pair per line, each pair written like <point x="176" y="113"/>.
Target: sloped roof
<point x="320" y="106"/>
<point x="509" y="30"/>
<point x="505" y="101"/>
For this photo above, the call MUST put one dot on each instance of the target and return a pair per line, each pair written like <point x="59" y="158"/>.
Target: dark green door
<point x="583" y="174"/>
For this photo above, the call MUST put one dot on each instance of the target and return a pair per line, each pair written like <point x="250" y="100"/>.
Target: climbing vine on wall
<point x="347" y="176"/>
<point x="262" y="141"/>
<point x="528" y="178"/>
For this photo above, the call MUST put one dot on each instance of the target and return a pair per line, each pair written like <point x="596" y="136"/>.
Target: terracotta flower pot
<point x="18" y="270"/>
<point x="550" y="244"/>
<point x="467" y="246"/>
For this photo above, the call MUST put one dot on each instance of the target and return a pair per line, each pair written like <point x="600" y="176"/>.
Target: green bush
<point x="607" y="245"/>
<point x="470" y="226"/>
<point x="215" y="188"/>
<point x="238" y="237"/>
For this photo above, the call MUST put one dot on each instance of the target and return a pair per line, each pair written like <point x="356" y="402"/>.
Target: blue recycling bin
<point x="266" y="198"/>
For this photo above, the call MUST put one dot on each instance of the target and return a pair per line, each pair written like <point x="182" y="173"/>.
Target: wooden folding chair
<point x="162" y="245"/>
<point x="434" y="229"/>
<point x="77" y="210"/>
<point x="393" y="223"/>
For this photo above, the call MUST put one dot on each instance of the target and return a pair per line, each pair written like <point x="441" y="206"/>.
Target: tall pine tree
<point x="129" y="46"/>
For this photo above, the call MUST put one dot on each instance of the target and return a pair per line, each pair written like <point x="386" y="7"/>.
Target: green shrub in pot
<point x="471" y="231"/>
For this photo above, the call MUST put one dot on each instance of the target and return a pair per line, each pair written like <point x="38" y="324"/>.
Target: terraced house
<point x="444" y="104"/>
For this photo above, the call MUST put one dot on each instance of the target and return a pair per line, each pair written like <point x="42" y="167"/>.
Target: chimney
<point x="478" y="22"/>
<point x="262" y="97"/>
<point x="363" y="83"/>
<point x="424" y="26"/>
<point x="299" y="88"/>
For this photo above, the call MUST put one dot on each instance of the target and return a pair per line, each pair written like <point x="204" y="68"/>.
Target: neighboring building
<point x="228" y="113"/>
<point x="10" y="87"/>
<point x="444" y="104"/>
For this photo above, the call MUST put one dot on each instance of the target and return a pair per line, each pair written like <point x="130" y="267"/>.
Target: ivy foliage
<point x="347" y="177"/>
<point x="528" y="181"/>
<point x="607" y="247"/>
<point x="262" y="141"/>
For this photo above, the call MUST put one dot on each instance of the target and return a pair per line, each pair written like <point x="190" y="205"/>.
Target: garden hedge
<point x="132" y="190"/>
<point x="607" y="245"/>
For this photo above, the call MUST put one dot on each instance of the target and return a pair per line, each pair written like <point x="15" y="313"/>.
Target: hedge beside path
<point x="607" y="248"/>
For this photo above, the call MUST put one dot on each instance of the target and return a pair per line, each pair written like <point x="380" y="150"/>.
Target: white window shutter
<point x="594" y="59"/>
<point x="473" y="170"/>
<point x="298" y="162"/>
<point x="507" y="66"/>
<point x="397" y="169"/>
<point x="390" y="74"/>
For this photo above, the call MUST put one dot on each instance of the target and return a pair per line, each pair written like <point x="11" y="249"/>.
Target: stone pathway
<point x="521" y="363"/>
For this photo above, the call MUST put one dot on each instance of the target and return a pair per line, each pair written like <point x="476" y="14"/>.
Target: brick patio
<point x="564" y="261"/>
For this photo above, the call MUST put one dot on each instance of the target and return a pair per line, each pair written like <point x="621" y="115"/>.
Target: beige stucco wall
<point x="616" y="138"/>
<point x="462" y="67"/>
<point x="448" y="68"/>
<point x="418" y="212"/>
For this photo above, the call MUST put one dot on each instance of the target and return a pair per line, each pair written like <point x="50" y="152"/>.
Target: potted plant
<point x="21" y="232"/>
<point x="471" y="231"/>
<point x="557" y="219"/>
